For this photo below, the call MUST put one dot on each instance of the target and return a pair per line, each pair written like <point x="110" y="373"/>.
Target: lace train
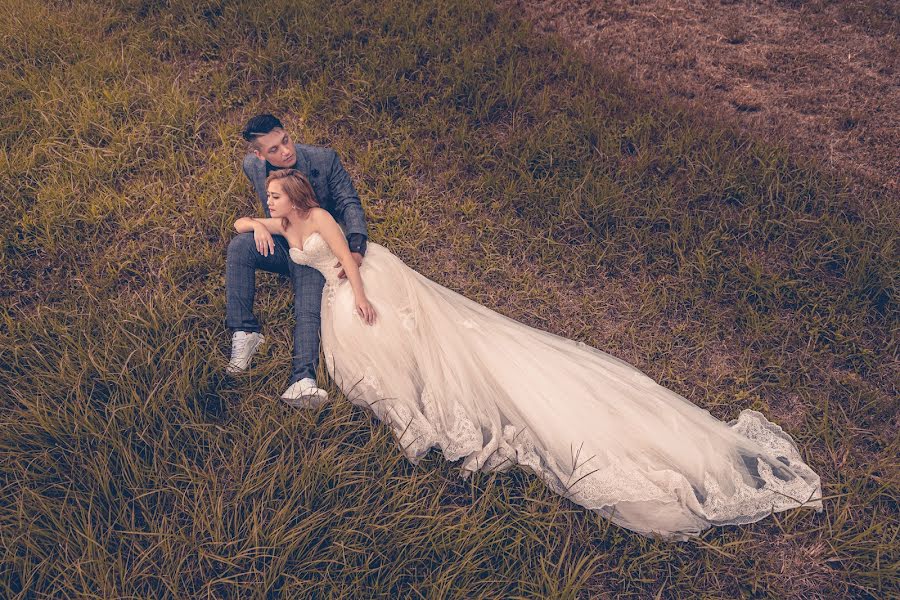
<point x="445" y="372"/>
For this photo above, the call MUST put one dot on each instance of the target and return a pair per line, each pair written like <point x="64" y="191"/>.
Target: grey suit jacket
<point x="331" y="183"/>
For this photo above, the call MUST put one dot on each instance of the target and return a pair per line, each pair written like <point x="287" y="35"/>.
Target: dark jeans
<point x="240" y="287"/>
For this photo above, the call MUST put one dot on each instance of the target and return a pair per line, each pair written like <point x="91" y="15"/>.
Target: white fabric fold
<point x="446" y="372"/>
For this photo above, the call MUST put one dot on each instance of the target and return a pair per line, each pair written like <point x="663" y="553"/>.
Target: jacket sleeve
<point x="245" y="165"/>
<point x="346" y="200"/>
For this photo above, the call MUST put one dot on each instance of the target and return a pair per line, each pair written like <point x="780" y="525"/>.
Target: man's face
<point x="277" y="148"/>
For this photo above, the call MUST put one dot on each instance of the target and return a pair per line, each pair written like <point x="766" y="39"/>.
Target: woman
<point x="446" y="372"/>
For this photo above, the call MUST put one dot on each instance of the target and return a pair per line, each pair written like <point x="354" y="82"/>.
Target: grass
<point x="490" y="160"/>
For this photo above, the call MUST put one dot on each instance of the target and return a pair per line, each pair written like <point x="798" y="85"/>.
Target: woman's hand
<point x="365" y="310"/>
<point x="265" y="245"/>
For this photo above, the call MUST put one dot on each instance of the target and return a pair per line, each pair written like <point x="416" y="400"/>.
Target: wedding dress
<point x="444" y="371"/>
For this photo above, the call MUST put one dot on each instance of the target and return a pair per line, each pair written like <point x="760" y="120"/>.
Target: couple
<point x="443" y="371"/>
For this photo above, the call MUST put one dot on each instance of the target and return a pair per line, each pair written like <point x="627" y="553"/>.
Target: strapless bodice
<point x="317" y="254"/>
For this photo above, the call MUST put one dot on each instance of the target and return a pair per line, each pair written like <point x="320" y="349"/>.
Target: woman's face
<point x="278" y="202"/>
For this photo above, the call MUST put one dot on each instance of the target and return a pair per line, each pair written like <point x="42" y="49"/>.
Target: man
<point x="271" y="148"/>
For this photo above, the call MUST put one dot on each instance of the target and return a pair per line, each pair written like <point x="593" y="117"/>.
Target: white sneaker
<point x="244" y="345"/>
<point x="305" y="394"/>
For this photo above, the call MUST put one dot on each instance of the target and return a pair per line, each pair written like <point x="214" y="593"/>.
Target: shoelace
<point x="239" y="346"/>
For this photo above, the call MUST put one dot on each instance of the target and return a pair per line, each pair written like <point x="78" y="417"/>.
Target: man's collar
<point x="270" y="167"/>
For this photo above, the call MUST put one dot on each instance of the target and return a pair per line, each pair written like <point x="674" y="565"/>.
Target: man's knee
<point x="243" y="245"/>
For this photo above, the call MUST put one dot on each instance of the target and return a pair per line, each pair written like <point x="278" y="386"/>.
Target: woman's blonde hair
<point x="298" y="190"/>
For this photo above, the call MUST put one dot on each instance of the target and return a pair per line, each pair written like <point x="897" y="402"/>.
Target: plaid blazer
<point x="331" y="183"/>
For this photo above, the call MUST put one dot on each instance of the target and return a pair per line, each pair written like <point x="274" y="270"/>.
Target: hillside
<point x="497" y="162"/>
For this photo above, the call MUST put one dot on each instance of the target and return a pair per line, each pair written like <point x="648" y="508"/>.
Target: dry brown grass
<point x="493" y="161"/>
<point x="820" y="76"/>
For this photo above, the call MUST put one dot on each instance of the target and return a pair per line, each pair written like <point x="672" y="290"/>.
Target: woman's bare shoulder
<point x="320" y="215"/>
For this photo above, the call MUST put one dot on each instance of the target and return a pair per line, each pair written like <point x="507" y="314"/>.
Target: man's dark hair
<point x="260" y="125"/>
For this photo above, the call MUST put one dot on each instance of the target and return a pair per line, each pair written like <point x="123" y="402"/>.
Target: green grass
<point x="492" y="161"/>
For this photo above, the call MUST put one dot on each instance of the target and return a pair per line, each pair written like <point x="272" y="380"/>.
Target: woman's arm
<point x="246" y="224"/>
<point x="334" y="237"/>
<point x="262" y="232"/>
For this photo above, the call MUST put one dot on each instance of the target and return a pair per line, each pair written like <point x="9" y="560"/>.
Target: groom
<point x="271" y="148"/>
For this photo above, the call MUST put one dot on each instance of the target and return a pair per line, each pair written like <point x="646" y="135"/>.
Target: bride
<point x="443" y="371"/>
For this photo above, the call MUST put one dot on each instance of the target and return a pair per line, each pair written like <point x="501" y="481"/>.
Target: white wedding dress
<point x="443" y="371"/>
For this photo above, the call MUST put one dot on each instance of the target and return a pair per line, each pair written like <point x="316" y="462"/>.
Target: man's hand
<point x="357" y="257"/>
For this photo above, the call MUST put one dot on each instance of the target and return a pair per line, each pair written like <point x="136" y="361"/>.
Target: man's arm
<point x="348" y="206"/>
<point x="247" y="166"/>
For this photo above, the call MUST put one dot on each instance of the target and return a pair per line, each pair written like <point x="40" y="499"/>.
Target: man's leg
<point x="243" y="259"/>
<point x="308" y="284"/>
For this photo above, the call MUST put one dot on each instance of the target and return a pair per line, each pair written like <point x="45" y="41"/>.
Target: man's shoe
<point x="305" y="394"/>
<point x="244" y="345"/>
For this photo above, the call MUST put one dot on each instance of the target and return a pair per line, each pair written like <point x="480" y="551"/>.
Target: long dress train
<point x="446" y="372"/>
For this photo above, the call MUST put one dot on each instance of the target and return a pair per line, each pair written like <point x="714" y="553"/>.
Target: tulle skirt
<point x="446" y="372"/>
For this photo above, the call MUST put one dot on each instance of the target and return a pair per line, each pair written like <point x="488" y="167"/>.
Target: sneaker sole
<point x="307" y="400"/>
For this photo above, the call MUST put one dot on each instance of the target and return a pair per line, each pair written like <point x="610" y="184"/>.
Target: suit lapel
<point x="302" y="164"/>
<point x="305" y="166"/>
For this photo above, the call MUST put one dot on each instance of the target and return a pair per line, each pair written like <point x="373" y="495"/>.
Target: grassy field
<point x="488" y="159"/>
